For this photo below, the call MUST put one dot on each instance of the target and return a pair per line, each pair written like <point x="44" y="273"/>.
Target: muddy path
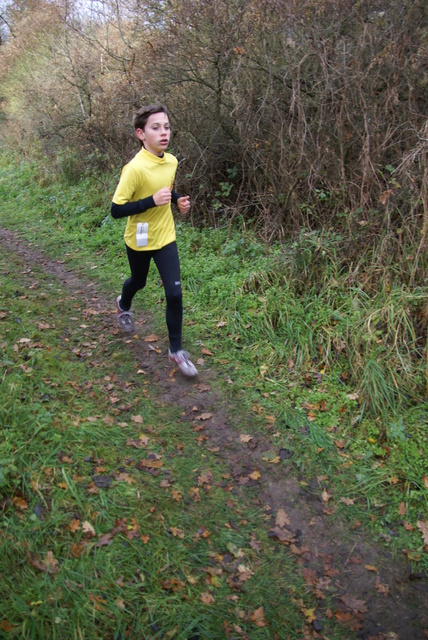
<point x="390" y="604"/>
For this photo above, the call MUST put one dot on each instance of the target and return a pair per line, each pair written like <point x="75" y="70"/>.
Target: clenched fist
<point x="183" y="204"/>
<point x="163" y="196"/>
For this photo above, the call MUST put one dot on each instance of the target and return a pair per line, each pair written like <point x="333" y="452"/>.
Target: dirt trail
<point x="389" y="605"/>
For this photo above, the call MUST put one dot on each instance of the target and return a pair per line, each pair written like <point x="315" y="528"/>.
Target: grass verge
<point x="116" y="523"/>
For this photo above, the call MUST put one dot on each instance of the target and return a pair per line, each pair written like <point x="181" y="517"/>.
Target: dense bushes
<point x="290" y="114"/>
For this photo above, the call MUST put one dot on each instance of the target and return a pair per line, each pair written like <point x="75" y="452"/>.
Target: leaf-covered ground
<point x="138" y="504"/>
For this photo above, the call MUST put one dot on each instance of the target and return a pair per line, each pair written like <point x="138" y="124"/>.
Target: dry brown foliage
<point x="289" y="114"/>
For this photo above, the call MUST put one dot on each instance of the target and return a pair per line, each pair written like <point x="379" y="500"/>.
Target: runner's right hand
<point x="163" y="196"/>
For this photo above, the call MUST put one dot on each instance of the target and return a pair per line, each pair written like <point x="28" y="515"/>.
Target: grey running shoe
<point x="124" y="318"/>
<point x="181" y="359"/>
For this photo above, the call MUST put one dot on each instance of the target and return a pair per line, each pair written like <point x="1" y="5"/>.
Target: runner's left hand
<point x="183" y="204"/>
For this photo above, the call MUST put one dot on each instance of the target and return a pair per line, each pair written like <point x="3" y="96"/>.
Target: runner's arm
<point x="139" y="206"/>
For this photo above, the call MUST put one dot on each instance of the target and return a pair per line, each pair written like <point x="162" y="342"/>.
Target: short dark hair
<point x="143" y="114"/>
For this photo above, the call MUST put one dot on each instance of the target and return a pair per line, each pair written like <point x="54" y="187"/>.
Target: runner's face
<point x="156" y="134"/>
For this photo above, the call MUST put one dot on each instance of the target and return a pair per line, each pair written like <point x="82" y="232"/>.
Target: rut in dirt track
<point x="391" y="605"/>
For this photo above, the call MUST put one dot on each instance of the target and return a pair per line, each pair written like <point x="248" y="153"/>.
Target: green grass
<point x="325" y="368"/>
<point x="172" y="565"/>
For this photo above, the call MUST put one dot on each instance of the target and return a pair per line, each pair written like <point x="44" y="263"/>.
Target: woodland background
<point x="289" y="118"/>
<point x="289" y="114"/>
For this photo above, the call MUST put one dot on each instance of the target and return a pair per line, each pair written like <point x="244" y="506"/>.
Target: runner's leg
<point x="139" y="263"/>
<point x="167" y="262"/>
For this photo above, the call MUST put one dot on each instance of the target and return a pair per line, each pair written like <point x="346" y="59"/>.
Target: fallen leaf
<point x="50" y="565"/>
<point x="205" y="478"/>
<point x="77" y="550"/>
<point x="284" y="535"/>
<point x="177" y="533"/>
<point x="244" y="437"/>
<point x="20" y="503"/>
<point x="51" y="562"/>
<point x="255" y="475"/>
<point x="343" y="616"/>
<point x="347" y="501"/>
<point x="255" y="544"/>
<point x="206" y="351"/>
<point x="325" y="496"/>
<point x="234" y="550"/>
<point x="309" y="615"/>
<point x="42" y="326"/>
<point x="74" y="525"/>
<point x="125" y="477"/>
<point x="92" y="488"/>
<point x="354" y="604"/>
<point x="203" y="387"/>
<point x="204" y="416"/>
<point x="245" y="573"/>
<point x="194" y="493"/>
<point x="104" y="540"/>
<point x="258" y="617"/>
<point x="329" y="510"/>
<point x="149" y="464"/>
<point x="99" y="602"/>
<point x="88" y="528"/>
<point x="402" y="509"/>
<point x="207" y="597"/>
<point x="425" y="481"/>
<point x="174" y="584"/>
<point x="281" y="518"/>
<point x="310" y="575"/>
<point x="137" y="419"/>
<point x="202" y="533"/>
<point x="423" y="528"/>
<point x="381" y="588"/>
<point x="151" y="338"/>
<point x="138" y="443"/>
<point x="370" y="567"/>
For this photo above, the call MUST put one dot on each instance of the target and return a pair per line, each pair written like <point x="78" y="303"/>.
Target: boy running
<point x="144" y="196"/>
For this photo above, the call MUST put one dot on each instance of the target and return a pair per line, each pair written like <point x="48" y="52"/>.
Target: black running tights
<point x="168" y="265"/>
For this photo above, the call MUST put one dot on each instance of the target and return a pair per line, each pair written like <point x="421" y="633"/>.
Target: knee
<point x="174" y="298"/>
<point x="135" y="283"/>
